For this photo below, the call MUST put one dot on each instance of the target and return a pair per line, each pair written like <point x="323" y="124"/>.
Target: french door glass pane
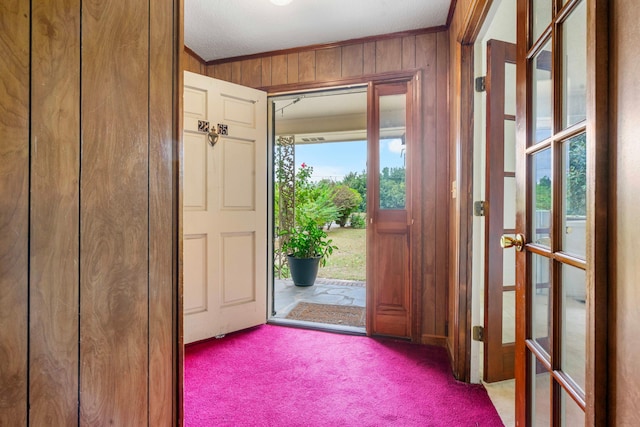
<point x="508" y="317"/>
<point x="509" y="146"/>
<point x="574" y="324"/>
<point x="509" y="205"/>
<point x="542" y="95"/>
<point x="574" y="67"/>
<point x="393" y="152"/>
<point x="574" y="197"/>
<point x="541" y="17"/>
<point x="541" y="314"/>
<point x="540" y="394"/>
<point x="541" y="197"/>
<point x="572" y="414"/>
<point x="509" y="86"/>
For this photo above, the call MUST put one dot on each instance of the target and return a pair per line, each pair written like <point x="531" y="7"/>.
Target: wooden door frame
<point x="597" y="245"/>
<point x="461" y="239"/>
<point x="418" y="211"/>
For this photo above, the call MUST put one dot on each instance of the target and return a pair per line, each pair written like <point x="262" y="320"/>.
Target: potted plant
<point x="306" y="246"/>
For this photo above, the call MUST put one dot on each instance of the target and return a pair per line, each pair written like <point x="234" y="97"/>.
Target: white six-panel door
<point x="225" y="208"/>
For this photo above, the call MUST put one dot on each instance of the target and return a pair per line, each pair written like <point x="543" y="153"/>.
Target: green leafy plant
<point x="358" y="220"/>
<point x="307" y="241"/>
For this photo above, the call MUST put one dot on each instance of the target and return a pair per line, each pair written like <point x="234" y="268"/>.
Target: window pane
<point x="542" y="94"/>
<point x="509" y="146"/>
<point x="510" y="89"/>
<point x="541" y="197"/>
<point x="572" y="414"/>
<point x="541" y="17"/>
<point x="509" y="208"/>
<point x="541" y="301"/>
<point x="574" y="68"/>
<point x="540" y="393"/>
<point x="393" y="152"/>
<point x="574" y="324"/>
<point x="508" y="316"/>
<point x="574" y="197"/>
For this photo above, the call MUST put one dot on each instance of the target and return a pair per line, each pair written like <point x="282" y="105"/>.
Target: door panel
<point x="389" y="286"/>
<point x="225" y="218"/>
<point x="499" y="344"/>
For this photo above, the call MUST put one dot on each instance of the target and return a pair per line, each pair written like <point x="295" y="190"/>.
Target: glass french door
<point x="557" y="343"/>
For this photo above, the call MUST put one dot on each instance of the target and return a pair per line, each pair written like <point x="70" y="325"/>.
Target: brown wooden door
<point x="390" y="129"/>
<point x="561" y="208"/>
<point x="499" y="312"/>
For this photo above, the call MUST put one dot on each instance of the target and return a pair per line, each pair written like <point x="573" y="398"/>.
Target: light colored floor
<point x="503" y="397"/>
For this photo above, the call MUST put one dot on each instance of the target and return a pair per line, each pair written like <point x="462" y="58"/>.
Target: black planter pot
<point x="303" y="270"/>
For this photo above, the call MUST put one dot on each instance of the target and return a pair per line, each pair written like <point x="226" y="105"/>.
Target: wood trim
<point x="338" y="83"/>
<point x="437" y="340"/>
<point x="362" y="40"/>
<point x="473" y="21"/>
<point x="452" y="10"/>
<point x="178" y="262"/>
<point x="598" y="283"/>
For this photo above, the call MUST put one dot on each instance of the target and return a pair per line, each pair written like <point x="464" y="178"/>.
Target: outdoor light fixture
<point x="281" y="2"/>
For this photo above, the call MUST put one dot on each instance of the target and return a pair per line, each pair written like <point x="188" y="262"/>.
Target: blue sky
<point x="336" y="159"/>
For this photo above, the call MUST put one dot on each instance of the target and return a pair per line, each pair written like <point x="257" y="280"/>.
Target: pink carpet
<point x="279" y="376"/>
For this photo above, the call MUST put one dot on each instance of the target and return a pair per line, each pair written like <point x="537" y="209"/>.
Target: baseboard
<point x="436" y="340"/>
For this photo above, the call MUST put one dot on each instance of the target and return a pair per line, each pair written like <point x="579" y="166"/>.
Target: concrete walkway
<point x="324" y="291"/>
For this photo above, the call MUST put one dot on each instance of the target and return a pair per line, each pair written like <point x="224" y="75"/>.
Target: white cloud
<point x="395" y="146"/>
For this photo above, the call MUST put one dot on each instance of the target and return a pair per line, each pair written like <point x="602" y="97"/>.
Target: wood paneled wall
<point x="460" y="183"/>
<point x="624" y="232"/>
<point x="192" y="62"/>
<point x="88" y="213"/>
<point x="322" y="66"/>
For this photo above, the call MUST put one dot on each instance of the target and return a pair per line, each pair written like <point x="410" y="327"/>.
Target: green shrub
<point x="358" y="220"/>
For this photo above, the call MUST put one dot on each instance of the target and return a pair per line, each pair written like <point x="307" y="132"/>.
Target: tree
<point x="346" y="201"/>
<point x="543" y="194"/>
<point x="358" y="182"/>
<point x="393" y="188"/>
<point x="577" y="176"/>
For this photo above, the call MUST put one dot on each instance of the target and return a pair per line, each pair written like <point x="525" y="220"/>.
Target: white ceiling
<point x="217" y="29"/>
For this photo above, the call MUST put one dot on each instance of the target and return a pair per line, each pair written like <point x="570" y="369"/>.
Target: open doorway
<point x="319" y="142"/>
<point x="493" y="311"/>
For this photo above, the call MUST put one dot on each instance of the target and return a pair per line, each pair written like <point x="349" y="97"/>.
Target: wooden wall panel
<point x="329" y="64"/>
<point x="388" y="55"/>
<point x="425" y="53"/>
<point x="352" y="60"/>
<point x="306" y="66"/>
<point x="236" y="72"/>
<point x="292" y="68"/>
<point x="624" y="297"/>
<point x="89" y="299"/>
<point x="266" y="72"/>
<point x="192" y="62"/>
<point x="163" y="205"/>
<point x="114" y="294"/>
<point x="443" y="195"/>
<point x="14" y="209"/>
<point x="279" y="69"/>
<point x="369" y="58"/>
<point x="55" y="172"/>
<point x="251" y="72"/>
<point x="221" y="71"/>
<point x="408" y="52"/>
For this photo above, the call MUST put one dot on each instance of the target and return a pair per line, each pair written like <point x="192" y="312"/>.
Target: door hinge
<point x="481" y="84"/>
<point x="478" y="333"/>
<point x="480" y="208"/>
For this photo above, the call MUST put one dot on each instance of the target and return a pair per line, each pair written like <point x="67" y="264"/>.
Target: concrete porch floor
<point x="324" y="291"/>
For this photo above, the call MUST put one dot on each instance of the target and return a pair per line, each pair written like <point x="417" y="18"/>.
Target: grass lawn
<point x="348" y="261"/>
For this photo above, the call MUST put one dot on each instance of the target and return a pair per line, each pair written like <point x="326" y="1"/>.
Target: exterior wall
<point x="88" y="213"/>
<point x="321" y="66"/>
<point x="624" y="303"/>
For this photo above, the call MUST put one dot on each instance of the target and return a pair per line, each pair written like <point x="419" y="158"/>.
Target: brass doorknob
<point x="508" y="241"/>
